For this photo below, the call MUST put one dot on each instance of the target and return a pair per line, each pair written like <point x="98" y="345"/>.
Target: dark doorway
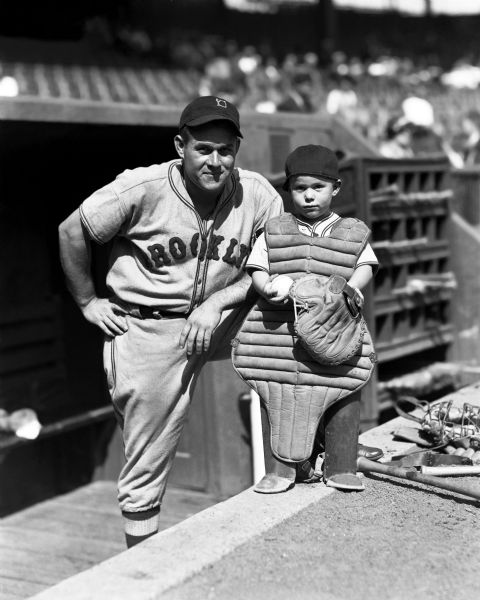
<point x="51" y="359"/>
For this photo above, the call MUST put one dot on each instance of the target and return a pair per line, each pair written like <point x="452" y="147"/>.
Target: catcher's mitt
<point x="328" y="321"/>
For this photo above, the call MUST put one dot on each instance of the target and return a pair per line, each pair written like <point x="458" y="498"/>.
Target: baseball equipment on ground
<point x="453" y="470"/>
<point x="443" y="423"/>
<point x="368" y="466"/>
<point x="428" y="458"/>
<point x="328" y="321"/>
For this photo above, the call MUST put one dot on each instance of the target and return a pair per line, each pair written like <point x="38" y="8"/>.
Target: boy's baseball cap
<point x="210" y="108"/>
<point x="317" y="161"/>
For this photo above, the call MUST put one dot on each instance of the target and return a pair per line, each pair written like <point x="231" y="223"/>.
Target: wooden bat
<point x="368" y="466"/>
<point x="453" y="470"/>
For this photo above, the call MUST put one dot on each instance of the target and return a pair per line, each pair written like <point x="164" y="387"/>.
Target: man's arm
<point x="201" y="323"/>
<point x="75" y="257"/>
<point x="203" y="320"/>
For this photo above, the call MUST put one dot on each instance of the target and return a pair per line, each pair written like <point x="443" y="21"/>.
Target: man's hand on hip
<point x="104" y="314"/>
<point x="198" y="330"/>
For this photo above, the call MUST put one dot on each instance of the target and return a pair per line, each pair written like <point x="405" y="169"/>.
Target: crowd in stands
<point x="404" y="107"/>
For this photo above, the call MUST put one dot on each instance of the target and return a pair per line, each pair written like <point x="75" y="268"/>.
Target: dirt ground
<point x="397" y="540"/>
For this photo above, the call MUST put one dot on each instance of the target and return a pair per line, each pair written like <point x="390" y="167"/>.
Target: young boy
<point x="312" y="178"/>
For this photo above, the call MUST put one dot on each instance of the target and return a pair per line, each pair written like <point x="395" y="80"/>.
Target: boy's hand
<point x="277" y="288"/>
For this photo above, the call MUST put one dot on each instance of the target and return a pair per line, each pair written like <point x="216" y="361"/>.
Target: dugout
<point x="55" y="151"/>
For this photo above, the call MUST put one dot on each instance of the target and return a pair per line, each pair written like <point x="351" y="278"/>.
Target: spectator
<point x="418" y="111"/>
<point x="224" y="79"/>
<point x="427" y="142"/>
<point x="298" y="97"/>
<point x="398" y="142"/>
<point x="471" y="146"/>
<point x="342" y="100"/>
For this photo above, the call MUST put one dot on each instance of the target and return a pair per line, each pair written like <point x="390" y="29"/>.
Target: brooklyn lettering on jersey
<point x="201" y="248"/>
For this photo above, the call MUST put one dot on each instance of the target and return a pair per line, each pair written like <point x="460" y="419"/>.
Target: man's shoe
<point x="369" y="452"/>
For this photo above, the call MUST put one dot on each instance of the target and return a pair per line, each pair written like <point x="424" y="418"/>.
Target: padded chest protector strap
<point x="295" y="389"/>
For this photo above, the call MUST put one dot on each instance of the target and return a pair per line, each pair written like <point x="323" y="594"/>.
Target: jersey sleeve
<point x="271" y="204"/>
<point x="367" y="257"/>
<point x="103" y="214"/>
<point x="258" y="259"/>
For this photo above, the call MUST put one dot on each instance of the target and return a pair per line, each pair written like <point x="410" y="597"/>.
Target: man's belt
<point x="152" y="312"/>
<point x="147" y="312"/>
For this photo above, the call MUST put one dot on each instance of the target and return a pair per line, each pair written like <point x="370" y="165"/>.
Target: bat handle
<point x="455" y="470"/>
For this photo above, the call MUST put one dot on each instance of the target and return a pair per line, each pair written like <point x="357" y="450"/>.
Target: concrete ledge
<point x="177" y="554"/>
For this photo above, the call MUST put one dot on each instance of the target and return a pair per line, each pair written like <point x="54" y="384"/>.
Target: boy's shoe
<point x="279" y="478"/>
<point x="271" y="483"/>
<point x="345" y="481"/>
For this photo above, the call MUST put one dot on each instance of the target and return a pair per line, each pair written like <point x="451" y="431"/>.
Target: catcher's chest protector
<point x="295" y="389"/>
<point x="294" y="253"/>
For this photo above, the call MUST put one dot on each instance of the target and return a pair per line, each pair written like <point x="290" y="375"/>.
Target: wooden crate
<point x="466" y="201"/>
<point x="407" y="205"/>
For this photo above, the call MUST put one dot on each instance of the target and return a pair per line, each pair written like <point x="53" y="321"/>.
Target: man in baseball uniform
<point x="181" y="232"/>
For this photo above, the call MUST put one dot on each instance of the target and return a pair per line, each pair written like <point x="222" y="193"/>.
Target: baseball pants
<point x="151" y="381"/>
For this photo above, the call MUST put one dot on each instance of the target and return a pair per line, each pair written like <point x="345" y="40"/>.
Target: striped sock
<point x="140" y="525"/>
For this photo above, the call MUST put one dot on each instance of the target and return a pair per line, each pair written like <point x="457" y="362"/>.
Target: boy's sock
<point x="341" y="444"/>
<point x="279" y="476"/>
<point x="140" y="525"/>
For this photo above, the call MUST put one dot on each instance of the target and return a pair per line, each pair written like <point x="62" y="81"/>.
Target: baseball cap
<point x="317" y="161"/>
<point x="396" y="125"/>
<point x="210" y="108"/>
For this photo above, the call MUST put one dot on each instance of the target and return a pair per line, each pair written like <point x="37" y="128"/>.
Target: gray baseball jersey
<point x="164" y="254"/>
